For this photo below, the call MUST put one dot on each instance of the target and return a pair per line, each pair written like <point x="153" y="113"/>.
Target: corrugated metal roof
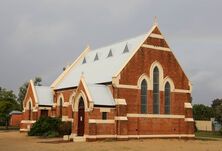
<point x="103" y="69"/>
<point x="15" y="112"/>
<point x="101" y="95"/>
<point x="44" y="95"/>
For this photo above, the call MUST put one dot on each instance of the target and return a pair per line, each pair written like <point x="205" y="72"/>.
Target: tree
<point x="217" y="106"/>
<point x="202" y="112"/>
<point x="23" y="90"/>
<point x="7" y="104"/>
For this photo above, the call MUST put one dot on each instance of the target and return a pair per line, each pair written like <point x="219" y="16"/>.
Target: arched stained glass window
<point x="156" y="92"/>
<point x="167" y="98"/>
<point x="60" y="107"/>
<point x="30" y="111"/>
<point x="143" y="97"/>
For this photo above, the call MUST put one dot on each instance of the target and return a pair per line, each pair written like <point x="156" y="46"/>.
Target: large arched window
<point x="156" y="93"/>
<point x="60" y="107"/>
<point x="167" y="98"/>
<point x="30" y="110"/>
<point x="143" y="96"/>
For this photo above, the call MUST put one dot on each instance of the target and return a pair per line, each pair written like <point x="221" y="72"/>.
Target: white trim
<point x="188" y="105"/>
<point x="65" y="104"/>
<point x="127" y="86"/>
<point x="99" y="136"/>
<point x="134" y="52"/>
<point x="155" y="47"/>
<point x="45" y="108"/>
<point x="66" y="118"/>
<point x="101" y="121"/>
<point x="28" y="121"/>
<point x="58" y="99"/>
<point x="160" y="68"/>
<point x="63" y="74"/>
<point x="146" y="77"/>
<point x="76" y="102"/>
<point x="155" y="115"/>
<point x="163" y="136"/>
<point x="86" y="88"/>
<point x="23" y="130"/>
<point x="151" y="88"/>
<point x="141" y="136"/>
<point x="71" y="99"/>
<point x="182" y="91"/>
<point x="120" y="102"/>
<point x="105" y="109"/>
<point x="170" y="81"/>
<point x="121" y="118"/>
<point x="189" y="119"/>
<point x="158" y="36"/>
<point x="34" y="92"/>
<point x="35" y="110"/>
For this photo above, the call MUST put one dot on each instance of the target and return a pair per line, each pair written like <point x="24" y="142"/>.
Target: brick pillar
<point x="121" y="119"/>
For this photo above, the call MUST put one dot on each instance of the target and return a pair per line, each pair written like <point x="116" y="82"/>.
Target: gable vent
<point x="126" y="49"/>
<point x="84" y="61"/>
<point x="96" y="57"/>
<point x="110" y="53"/>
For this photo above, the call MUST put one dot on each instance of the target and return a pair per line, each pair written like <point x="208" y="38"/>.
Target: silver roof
<point x="101" y="94"/>
<point x="101" y="70"/>
<point x="44" y="95"/>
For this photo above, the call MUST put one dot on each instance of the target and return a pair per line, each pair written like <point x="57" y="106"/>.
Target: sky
<point x="39" y="38"/>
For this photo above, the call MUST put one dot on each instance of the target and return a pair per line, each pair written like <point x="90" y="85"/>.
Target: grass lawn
<point x="201" y="134"/>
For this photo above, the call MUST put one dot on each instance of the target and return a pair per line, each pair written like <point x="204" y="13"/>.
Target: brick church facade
<point x="132" y="89"/>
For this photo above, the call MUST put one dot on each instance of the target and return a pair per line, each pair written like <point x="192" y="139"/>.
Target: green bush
<point x="45" y="126"/>
<point x="50" y="127"/>
<point x="65" y="128"/>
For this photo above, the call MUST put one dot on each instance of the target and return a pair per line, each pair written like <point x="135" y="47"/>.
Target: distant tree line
<point x="203" y="112"/>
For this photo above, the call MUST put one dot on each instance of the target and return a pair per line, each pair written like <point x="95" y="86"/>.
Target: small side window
<point x="104" y="115"/>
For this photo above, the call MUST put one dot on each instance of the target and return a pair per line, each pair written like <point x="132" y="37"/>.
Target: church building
<point x="135" y="88"/>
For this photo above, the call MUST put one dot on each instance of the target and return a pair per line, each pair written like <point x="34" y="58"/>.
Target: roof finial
<point x="155" y="20"/>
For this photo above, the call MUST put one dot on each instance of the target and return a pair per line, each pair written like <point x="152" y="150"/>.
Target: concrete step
<point x="79" y="139"/>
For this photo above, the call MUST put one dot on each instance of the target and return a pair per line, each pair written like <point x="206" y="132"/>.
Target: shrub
<point x="50" y="127"/>
<point x="45" y="126"/>
<point x="65" y="128"/>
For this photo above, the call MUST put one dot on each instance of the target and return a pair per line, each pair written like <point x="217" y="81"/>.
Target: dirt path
<point x="15" y="141"/>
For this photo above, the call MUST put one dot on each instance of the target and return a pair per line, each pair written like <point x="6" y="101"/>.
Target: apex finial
<point x="155" y="20"/>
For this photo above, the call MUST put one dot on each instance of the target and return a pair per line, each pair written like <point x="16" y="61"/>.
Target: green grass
<point x="201" y="134"/>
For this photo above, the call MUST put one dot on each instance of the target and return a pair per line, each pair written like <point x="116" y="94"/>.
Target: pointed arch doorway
<point x="81" y="118"/>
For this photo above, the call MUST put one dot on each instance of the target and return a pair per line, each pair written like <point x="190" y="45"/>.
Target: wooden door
<point x="81" y="118"/>
<point x="44" y="113"/>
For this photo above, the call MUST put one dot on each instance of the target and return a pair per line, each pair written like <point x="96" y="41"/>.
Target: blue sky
<point x="39" y="38"/>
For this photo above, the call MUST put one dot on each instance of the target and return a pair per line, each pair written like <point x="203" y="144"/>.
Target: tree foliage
<point x="23" y="89"/>
<point x="202" y="112"/>
<point x="8" y="103"/>
<point x="217" y="107"/>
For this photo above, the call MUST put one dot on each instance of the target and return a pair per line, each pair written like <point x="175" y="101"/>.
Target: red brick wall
<point x="15" y="119"/>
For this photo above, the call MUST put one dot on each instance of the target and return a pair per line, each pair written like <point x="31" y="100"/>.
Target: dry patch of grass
<point x="15" y="141"/>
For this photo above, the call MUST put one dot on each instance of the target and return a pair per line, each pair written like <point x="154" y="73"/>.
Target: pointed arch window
<point x="167" y="98"/>
<point x="60" y="107"/>
<point x="156" y="93"/>
<point x="143" y="97"/>
<point x="30" y="111"/>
